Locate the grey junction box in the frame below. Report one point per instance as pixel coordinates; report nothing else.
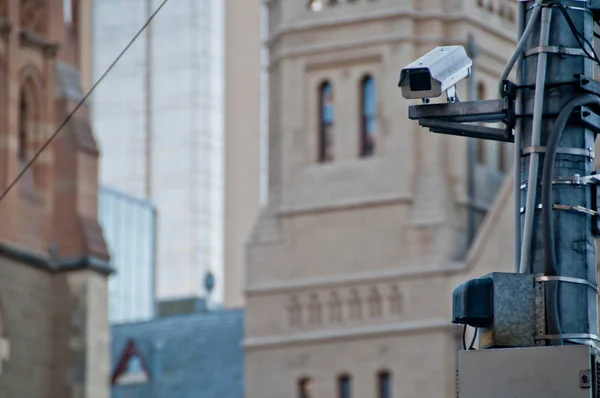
(532, 372)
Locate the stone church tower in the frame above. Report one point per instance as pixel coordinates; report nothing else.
(53, 258)
(352, 264)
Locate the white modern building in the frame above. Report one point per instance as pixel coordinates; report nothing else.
(129, 227)
(159, 120)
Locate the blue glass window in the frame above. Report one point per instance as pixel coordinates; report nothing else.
(304, 388)
(134, 365)
(384, 388)
(344, 386)
(327, 120)
(368, 117)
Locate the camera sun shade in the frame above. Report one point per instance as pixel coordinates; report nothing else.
(435, 72)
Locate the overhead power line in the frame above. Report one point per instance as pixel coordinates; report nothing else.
(80, 103)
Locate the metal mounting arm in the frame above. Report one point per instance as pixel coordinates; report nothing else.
(453, 118)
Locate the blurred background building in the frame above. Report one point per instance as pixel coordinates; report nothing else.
(354, 258)
(178, 137)
(129, 226)
(159, 121)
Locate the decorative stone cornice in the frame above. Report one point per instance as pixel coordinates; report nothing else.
(398, 273)
(428, 325)
(383, 15)
(61, 265)
(30, 39)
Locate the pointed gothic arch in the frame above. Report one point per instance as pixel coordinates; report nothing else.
(30, 116)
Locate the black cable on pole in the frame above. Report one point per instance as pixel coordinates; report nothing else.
(80, 103)
(578, 35)
(471, 347)
(550, 263)
(551, 267)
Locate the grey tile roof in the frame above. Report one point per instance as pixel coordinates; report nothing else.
(189, 356)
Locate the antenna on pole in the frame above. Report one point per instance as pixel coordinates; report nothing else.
(209, 286)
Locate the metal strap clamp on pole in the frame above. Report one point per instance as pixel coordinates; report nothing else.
(565, 336)
(589, 152)
(556, 50)
(576, 179)
(577, 209)
(566, 279)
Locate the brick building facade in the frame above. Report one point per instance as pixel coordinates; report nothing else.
(54, 331)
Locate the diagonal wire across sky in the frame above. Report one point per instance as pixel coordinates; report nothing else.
(80, 103)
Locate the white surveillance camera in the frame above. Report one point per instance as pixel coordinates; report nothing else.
(436, 72)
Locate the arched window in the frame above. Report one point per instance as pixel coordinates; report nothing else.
(305, 386)
(24, 127)
(326, 122)
(502, 161)
(315, 5)
(344, 386)
(368, 116)
(384, 388)
(28, 130)
(68, 12)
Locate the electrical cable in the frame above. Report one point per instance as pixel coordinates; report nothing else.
(464, 337)
(471, 347)
(538, 106)
(521, 44)
(550, 263)
(578, 35)
(80, 103)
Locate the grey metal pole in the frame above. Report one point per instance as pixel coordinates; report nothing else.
(516, 157)
(471, 148)
(576, 305)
